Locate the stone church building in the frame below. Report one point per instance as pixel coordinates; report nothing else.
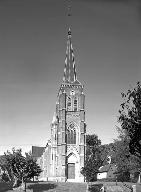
(64, 154)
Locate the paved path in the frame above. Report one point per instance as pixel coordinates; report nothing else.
(114, 189)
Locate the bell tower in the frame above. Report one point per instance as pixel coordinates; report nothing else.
(68, 127)
(64, 154)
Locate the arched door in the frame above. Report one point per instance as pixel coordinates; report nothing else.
(71, 166)
(71, 170)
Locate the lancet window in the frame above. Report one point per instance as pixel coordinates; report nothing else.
(75, 106)
(69, 104)
(71, 134)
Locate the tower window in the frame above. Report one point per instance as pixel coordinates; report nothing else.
(71, 134)
(75, 104)
(69, 104)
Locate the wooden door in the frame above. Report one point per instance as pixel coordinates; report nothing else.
(71, 170)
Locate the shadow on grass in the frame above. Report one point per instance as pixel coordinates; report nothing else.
(41, 187)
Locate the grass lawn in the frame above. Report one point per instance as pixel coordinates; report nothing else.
(111, 186)
(68, 187)
(54, 187)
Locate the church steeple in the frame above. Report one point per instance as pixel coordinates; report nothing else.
(69, 70)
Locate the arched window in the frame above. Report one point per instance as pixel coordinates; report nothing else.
(71, 134)
(75, 104)
(74, 141)
(69, 104)
(71, 140)
(68, 136)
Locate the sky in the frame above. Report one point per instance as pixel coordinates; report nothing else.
(106, 37)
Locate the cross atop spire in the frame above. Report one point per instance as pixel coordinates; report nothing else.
(69, 70)
(69, 8)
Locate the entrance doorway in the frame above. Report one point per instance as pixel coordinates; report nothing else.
(71, 170)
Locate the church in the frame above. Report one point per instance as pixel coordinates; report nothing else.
(64, 155)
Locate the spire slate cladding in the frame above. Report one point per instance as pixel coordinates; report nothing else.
(70, 70)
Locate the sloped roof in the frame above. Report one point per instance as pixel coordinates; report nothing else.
(106, 168)
(37, 151)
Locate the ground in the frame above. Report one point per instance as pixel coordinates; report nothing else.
(71, 187)
(54, 187)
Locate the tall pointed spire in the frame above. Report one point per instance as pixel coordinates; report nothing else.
(69, 70)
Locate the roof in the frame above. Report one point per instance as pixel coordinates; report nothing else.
(37, 151)
(106, 168)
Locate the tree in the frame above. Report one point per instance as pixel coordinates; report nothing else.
(130, 118)
(122, 160)
(19, 168)
(107, 151)
(126, 162)
(94, 157)
(6, 169)
(32, 168)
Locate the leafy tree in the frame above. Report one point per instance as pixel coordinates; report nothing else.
(107, 153)
(19, 168)
(7, 174)
(122, 160)
(94, 157)
(130, 118)
(126, 162)
(32, 168)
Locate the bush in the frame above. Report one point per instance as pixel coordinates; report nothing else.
(95, 188)
(107, 180)
(123, 176)
(134, 177)
(4, 177)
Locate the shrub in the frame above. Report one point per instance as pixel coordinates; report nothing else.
(4, 177)
(123, 176)
(95, 188)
